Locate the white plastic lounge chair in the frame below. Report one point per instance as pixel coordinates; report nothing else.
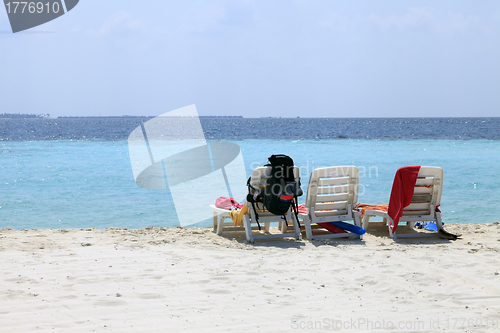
(332, 195)
(423, 207)
(258, 179)
(220, 215)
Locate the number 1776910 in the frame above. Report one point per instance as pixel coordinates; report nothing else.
(32, 7)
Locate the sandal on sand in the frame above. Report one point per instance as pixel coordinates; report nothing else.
(446, 235)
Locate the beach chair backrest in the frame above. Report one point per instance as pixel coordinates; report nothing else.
(427, 192)
(258, 179)
(333, 190)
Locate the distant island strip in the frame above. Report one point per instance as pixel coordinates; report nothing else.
(45, 116)
(23, 115)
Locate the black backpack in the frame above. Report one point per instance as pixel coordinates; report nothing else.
(281, 190)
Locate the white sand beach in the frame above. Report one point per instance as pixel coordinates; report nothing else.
(176, 279)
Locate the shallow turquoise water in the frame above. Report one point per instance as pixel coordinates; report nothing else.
(80, 184)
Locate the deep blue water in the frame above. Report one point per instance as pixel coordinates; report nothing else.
(263, 128)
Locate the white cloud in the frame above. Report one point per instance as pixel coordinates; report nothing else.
(457, 23)
(197, 17)
(119, 22)
(427, 18)
(202, 16)
(414, 17)
(333, 21)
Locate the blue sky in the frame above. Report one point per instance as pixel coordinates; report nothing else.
(258, 58)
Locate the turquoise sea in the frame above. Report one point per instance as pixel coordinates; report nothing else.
(83, 183)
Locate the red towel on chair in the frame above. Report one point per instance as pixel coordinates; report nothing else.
(402, 192)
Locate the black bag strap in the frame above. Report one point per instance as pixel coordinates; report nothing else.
(284, 218)
(252, 201)
(295, 208)
(256, 214)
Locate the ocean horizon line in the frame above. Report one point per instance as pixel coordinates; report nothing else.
(297, 117)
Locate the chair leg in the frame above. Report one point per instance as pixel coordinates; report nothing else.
(366, 220)
(248, 228)
(357, 222)
(389, 225)
(215, 215)
(220, 226)
(296, 228)
(439, 221)
(267, 225)
(307, 226)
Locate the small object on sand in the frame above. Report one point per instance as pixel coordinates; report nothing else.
(431, 226)
(446, 235)
(349, 227)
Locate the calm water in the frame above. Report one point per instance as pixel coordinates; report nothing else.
(76, 173)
